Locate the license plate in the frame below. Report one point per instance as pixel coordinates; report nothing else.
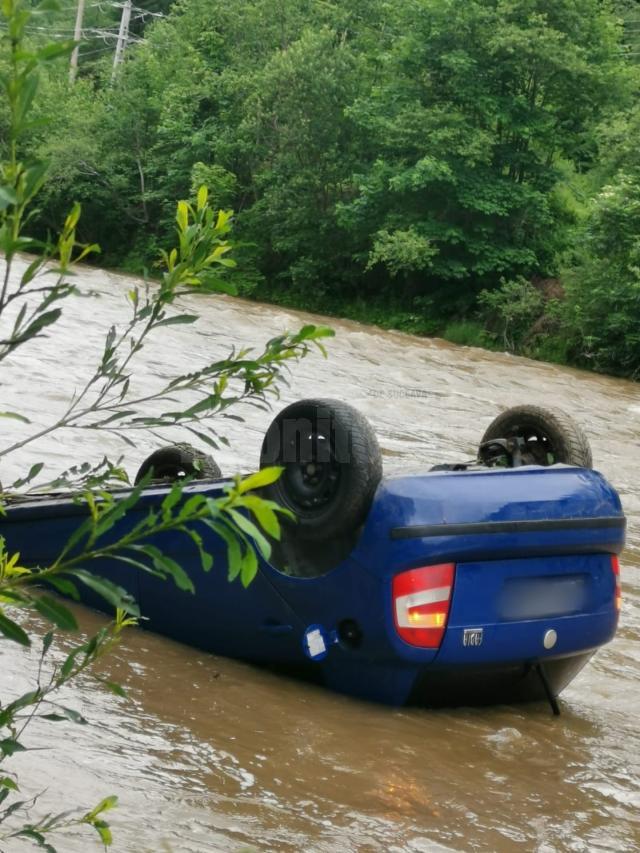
(472, 637)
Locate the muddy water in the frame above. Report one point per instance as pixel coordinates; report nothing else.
(212, 755)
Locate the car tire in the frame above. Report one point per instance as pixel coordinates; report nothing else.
(332, 466)
(551, 437)
(178, 461)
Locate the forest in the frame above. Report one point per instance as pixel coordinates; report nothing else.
(461, 168)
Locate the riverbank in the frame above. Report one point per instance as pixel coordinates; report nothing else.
(531, 319)
(534, 331)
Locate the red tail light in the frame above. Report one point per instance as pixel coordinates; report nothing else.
(421, 599)
(615, 566)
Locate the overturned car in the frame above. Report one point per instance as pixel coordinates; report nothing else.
(486, 581)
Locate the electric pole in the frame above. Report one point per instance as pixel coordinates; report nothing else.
(123, 37)
(77, 35)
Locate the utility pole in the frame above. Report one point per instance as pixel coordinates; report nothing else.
(123, 37)
(77, 35)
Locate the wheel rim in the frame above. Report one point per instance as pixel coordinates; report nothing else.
(172, 472)
(311, 484)
(537, 444)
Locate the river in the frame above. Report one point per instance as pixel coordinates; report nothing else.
(209, 754)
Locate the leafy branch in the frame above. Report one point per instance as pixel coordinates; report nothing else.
(106, 401)
(234, 513)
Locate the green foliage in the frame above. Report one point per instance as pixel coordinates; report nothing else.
(420, 137)
(466, 333)
(467, 115)
(510, 311)
(402, 251)
(553, 347)
(603, 284)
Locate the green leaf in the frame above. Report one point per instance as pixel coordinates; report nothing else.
(206, 559)
(264, 477)
(191, 506)
(7, 782)
(8, 713)
(167, 566)
(182, 215)
(31, 271)
(46, 642)
(252, 531)
(69, 662)
(114, 687)
(117, 511)
(180, 319)
(115, 595)
(234, 554)
(171, 500)
(55, 612)
(65, 587)
(15, 417)
(9, 746)
(203, 195)
(249, 567)
(102, 828)
(40, 323)
(38, 837)
(265, 516)
(33, 472)
(12, 631)
(103, 806)
(7, 196)
(65, 714)
(14, 808)
(34, 177)
(180, 577)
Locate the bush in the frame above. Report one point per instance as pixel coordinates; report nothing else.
(467, 333)
(510, 311)
(603, 284)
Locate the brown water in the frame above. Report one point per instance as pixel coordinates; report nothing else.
(212, 755)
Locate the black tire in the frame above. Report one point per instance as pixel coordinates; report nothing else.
(332, 466)
(550, 436)
(177, 462)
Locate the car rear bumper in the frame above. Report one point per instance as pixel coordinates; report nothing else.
(496, 683)
(437, 686)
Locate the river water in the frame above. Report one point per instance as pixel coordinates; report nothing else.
(208, 754)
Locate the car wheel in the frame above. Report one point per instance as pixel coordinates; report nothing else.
(546, 437)
(177, 462)
(332, 466)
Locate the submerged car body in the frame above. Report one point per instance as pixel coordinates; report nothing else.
(460, 586)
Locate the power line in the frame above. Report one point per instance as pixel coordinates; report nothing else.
(83, 54)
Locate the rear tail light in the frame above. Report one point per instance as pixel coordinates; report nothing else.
(615, 566)
(421, 599)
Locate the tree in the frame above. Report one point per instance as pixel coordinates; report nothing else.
(602, 314)
(475, 103)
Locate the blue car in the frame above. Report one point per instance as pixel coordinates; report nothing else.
(488, 581)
